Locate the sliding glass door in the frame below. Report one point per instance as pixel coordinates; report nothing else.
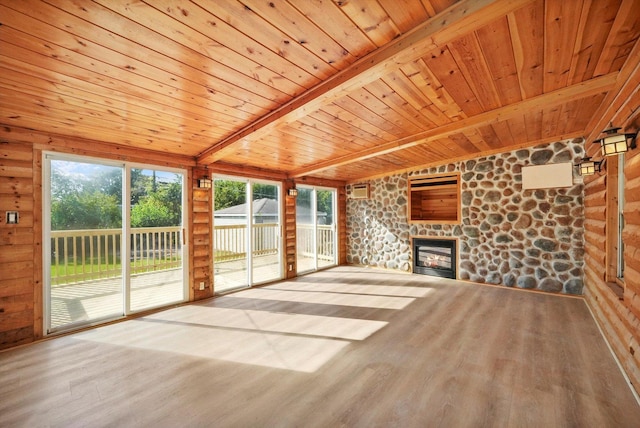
(156, 239)
(247, 233)
(85, 243)
(104, 258)
(316, 243)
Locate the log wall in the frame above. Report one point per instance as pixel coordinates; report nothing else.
(616, 308)
(201, 245)
(17, 250)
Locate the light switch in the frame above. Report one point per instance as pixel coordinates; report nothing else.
(12, 217)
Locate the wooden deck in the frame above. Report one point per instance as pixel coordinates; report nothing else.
(341, 347)
(99, 299)
(231, 275)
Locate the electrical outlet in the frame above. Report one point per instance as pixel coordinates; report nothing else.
(12, 217)
(202, 285)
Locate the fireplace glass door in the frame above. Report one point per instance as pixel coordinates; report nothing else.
(435, 257)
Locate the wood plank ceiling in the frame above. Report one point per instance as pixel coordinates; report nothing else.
(341, 89)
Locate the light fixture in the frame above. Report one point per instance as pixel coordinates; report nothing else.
(293, 192)
(589, 167)
(204, 183)
(614, 142)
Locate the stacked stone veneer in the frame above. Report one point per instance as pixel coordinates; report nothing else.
(530, 239)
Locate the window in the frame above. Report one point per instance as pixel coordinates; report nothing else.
(615, 224)
(620, 214)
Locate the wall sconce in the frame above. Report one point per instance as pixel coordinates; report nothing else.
(589, 167)
(614, 142)
(293, 192)
(204, 183)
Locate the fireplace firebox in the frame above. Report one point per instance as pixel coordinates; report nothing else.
(435, 257)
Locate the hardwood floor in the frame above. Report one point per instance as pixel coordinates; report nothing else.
(343, 347)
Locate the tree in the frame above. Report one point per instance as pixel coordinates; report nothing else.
(229, 193)
(86, 210)
(151, 212)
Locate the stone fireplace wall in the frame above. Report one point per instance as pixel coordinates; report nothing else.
(530, 239)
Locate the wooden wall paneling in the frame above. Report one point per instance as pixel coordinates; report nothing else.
(337, 25)
(169, 74)
(444, 67)
(111, 104)
(202, 249)
(526, 26)
(373, 118)
(38, 270)
(84, 147)
(157, 49)
(518, 129)
(191, 84)
(596, 21)
(496, 43)
(77, 116)
(293, 77)
(467, 52)
(404, 85)
(350, 124)
(621, 39)
(17, 249)
(401, 106)
(373, 19)
(290, 233)
(301, 30)
(561, 28)
(406, 15)
(366, 98)
(248, 74)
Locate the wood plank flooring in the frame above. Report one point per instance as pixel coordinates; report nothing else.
(349, 347)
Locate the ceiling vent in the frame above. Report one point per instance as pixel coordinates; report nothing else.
(360, 191)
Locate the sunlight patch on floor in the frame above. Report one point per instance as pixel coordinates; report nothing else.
(324, 298)
(273, 322)
(372, 290)
(279, 351)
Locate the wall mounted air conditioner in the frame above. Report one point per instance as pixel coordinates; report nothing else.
(360, 191)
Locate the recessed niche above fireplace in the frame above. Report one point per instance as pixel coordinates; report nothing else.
(435, 199)
(435, 257)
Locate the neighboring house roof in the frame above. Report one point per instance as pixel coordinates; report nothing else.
(262, 207)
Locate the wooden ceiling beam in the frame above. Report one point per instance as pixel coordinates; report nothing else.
(461, 18)
(581, 90)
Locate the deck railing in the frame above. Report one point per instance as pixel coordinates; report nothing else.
(84, 255)
(324, 243)
(229, 241)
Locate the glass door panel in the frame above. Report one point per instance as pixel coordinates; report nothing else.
(315, 228)
(83, 261)
(325, 228)
(230, 235)
(305, 230)
(265, 243)
(155, 239)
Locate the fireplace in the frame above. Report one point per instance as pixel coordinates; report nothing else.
(435, 257)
